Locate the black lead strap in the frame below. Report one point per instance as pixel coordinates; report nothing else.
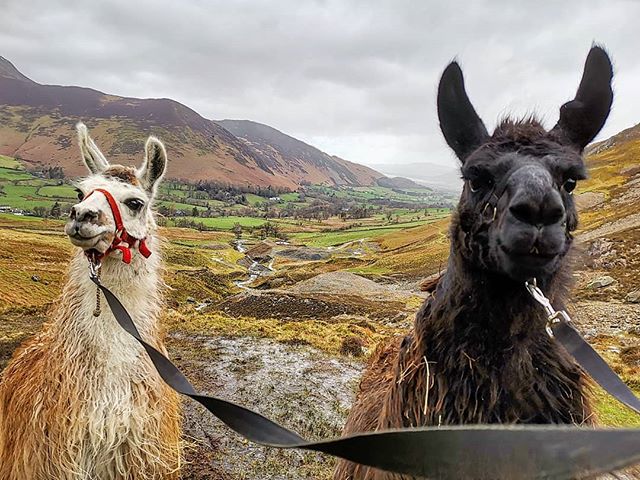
(478, 452)
(560, 327)
(594, 364)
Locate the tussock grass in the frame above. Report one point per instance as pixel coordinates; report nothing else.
(325, 336)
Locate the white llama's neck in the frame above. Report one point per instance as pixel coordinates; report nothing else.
(137, 285)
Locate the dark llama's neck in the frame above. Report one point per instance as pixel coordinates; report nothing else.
(498, 308)
(489, 358)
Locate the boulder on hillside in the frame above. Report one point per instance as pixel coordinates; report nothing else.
(633, 297)
(601, 282)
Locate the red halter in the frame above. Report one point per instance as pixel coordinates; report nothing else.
(120, 235)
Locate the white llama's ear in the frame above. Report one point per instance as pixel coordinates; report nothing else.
(154, 166)
(91, 154)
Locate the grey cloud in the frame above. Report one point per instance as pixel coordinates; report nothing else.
(358, 78)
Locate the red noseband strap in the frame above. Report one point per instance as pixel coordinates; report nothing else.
(120, 235)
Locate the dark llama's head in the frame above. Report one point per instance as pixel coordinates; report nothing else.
(516, 211)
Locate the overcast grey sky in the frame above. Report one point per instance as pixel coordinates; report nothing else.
(355, 78)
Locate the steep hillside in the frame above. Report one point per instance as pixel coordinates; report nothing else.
(399, 182)
(36, 126)
(296, 159)
(610, 217)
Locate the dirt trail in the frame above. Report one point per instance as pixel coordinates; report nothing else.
(631, 221)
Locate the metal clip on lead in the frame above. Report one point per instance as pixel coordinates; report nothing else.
(553, 316)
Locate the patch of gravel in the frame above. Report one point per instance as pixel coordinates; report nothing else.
(594, 317)
(346, 283)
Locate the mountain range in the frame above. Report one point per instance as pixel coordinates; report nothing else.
(37, 126)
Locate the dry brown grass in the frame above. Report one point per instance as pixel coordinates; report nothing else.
(415, 252)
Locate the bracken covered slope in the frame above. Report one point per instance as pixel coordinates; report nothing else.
(289, 156)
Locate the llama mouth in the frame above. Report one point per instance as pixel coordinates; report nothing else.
(77, 236)
(532, 259)
(86, 243)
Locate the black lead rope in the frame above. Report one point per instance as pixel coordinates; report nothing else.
(478, 452)
(594, 364)
(560, 327)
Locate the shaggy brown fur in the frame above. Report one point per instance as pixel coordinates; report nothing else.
(125, 174)
(478, 352)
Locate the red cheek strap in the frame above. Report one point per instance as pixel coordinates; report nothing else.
(121, 235)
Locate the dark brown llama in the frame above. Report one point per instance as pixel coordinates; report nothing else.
(478, 352)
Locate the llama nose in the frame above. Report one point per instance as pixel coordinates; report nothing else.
(540, 214)
(536, 200)
(84, 215)
(548, 212)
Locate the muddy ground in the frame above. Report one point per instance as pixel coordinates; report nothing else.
(302, 388)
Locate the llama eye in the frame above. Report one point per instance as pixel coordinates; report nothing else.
(134, 204)
(80, 194)
(569, 185)
(476, 184)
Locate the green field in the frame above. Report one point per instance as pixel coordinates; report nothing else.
(58, 191)
(315, 215)
(254, 199)
(338, 237)
(13, 174)
(227, 223)
(8, 162)
(290, 197)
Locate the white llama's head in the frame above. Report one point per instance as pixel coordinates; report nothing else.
(91, 224)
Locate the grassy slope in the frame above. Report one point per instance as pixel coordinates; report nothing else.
(609, 172)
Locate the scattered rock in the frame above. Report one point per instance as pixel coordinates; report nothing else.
(603, 255)
(633, 297)
(601, 282)
(588, 200)
(35, 278)
(352, 346)
(635, 330)
(191, 300)
(203, 305)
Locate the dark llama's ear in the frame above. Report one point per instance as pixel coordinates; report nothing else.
(91, 154)
(582, 118)
(154, 165)
(460, 124)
